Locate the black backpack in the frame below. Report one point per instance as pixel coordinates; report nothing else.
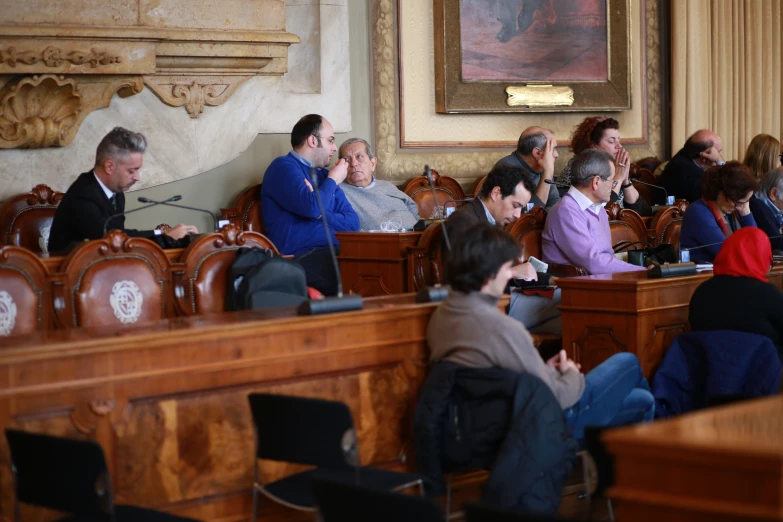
(259, 279)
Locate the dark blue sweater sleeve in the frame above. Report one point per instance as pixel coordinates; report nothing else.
(291, 189)
(700, 228)
(342, 218)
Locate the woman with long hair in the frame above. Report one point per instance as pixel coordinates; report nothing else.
(763, 155)
(598, 132)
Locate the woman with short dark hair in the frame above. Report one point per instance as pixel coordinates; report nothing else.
(722, 210)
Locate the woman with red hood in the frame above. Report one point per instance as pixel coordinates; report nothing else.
(739, 297)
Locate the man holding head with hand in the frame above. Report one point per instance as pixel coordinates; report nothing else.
(292, 216)
(98, 195)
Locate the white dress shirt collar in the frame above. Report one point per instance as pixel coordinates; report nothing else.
(584, 202)
(490, 218)
(106, 190)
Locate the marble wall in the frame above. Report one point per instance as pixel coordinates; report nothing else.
(181, 146)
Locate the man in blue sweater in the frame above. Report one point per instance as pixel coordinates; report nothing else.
(292, 218)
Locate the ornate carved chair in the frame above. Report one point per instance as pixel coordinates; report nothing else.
(477, 186)
(26, 219)
(25, 293)
(646, 192)
(114, 281)
(626, 225)
(649, 163)
(666, 225)
(425, 259)
(446, 188)
(245, 212)
(527, 230)
(200, 287)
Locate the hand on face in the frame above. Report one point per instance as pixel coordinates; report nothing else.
(548, 158)
(712, 155)
(339, 171)
(622, 161)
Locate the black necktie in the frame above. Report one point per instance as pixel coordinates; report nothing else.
(113, 200)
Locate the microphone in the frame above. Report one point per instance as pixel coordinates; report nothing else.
(555, 183)
(428, 173)
(168, 203)
(329, 304)
(106, 223)
(635, 180)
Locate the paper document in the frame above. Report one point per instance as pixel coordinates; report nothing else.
(539, 265)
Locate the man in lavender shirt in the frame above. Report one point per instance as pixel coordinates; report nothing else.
(577, 228)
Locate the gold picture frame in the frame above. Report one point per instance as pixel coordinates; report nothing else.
(455, 95)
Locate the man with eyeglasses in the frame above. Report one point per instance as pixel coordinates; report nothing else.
(577, 228)
(292, 218)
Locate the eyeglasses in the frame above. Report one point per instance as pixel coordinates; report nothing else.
(614, 181)
(330, 139)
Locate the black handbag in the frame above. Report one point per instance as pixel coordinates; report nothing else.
(648, 254)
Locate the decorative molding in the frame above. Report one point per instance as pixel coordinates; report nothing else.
(466, 165)
(47, 110)
(194, 92)
(55, 57)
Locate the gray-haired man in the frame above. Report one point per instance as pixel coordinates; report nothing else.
(97, 195)
(379, 204)
(536, 153)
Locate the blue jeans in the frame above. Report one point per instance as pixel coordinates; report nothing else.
(616, 393)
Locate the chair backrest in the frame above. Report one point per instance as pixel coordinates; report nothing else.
(59, 473)
(476, 189)
(246, 210)
(115, 281)
(527, 230)
(419, 190)
(200, 288)
(339, 502)
(314, 432)
(25, 293)
(427, 259)
(666, 226)
(25, 220)
(625, 225)
(649, 163)
(477, 512)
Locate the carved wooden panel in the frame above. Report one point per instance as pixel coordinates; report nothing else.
(595, 345)
(431, 205)
(374, 264)
(245, 211)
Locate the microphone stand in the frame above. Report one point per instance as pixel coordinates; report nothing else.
(433, 294)
(106, 223)
(428, 173)
(634, 180)
(177, 198)
(329, 304)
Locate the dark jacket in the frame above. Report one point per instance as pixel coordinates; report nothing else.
(754, 307)
(681, 178)
(468, 215)
(494, 419)
(766, 221)
(83, 212)
(699, 228)
(700, 365)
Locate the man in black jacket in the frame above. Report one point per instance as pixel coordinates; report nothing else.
(767, 207)
(98, 195)
(682, 176)
(504, 195)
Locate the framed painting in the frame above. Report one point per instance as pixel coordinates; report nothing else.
(532, 55)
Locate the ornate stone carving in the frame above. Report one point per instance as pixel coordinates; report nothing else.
(55, 57)
(464, 166)
(194, 93)
(47, 110)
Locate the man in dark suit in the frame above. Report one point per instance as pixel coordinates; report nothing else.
(767, 207)
(682, 176)
(97, 195)
(504, 194)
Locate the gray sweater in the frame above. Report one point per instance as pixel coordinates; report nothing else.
(383, 202)
(468, 329)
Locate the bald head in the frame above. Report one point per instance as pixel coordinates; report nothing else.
(533, 138)
(704, 147)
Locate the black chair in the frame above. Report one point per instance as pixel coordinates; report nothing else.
(317, 433)
(69, 475)
(477, 512)
(339, 502)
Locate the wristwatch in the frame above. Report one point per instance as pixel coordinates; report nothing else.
(626, 186)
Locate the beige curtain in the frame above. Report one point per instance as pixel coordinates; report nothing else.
(726, 70)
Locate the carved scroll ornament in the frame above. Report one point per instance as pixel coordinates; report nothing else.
(55, 57)
(194, 92)
(47, 110)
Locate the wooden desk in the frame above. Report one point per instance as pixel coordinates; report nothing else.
(375, 263)
(627, 312)
(718, 465)
(168, 402)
